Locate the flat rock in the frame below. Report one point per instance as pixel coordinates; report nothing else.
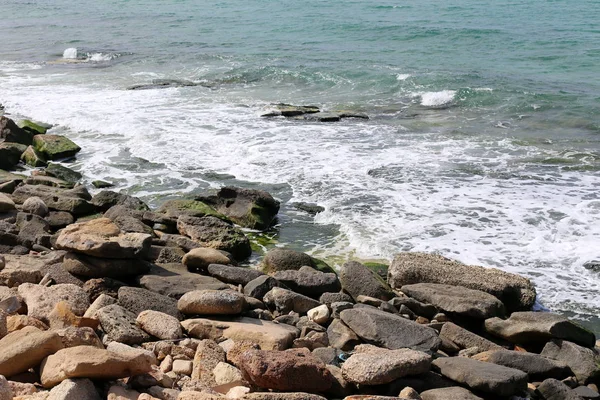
(201, 257)
(177, 207)
(536, 366)
(515, 292)
(220, 302)
(269, 335)
(370, 365)
(80, 389)
(456, 299)
(309, 282)
(174, 281)
(107, 199)
(120, 325)
(28, 268)
(233, 275)
(72, 201)
(285, 301)
(389, 330)
(137, 300)
(584, 362)
(465, 339)
(450, 393)
(528, 326)
(359, 280)
(289, 370)
(26, 348)
(160, 325)
(94, 363)
(552, 389)
(95, 267)
(482, 376)
(41, 300)
(102, 238)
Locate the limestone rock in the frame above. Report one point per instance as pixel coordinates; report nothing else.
(6, 391)
(16, 322)
(107, 199)
(359, 280)
(201, 257)
(285, 301)
(233, 275)
(63, 317)
(41, 300)
(19, 269)
(584, 362)
(160, 325)
(182, 367)
(26, 348)
(137, 300)
(119, 325)
(80, 389)
(536, 366)
(220, 302)
(454, 393)
(309, 282)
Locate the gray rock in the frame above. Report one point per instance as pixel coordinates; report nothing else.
(482, 376)
(54, 147)
(586, 393)
(34, 229)
(160, 325)
(211, 302)
(174, 281)
(536, 327)
(260, 286)
(95, 267)
(465, 339)
(11, 132)
(330, 298)
(516, 292)
(339, 306)
(456, 299)
(59, 219)
(359, 280)
(328, 355)
(199, 259)
(107, 199)
(340, 336)
(80, 389)
(119, 324)
(552, 389)
(451, 393)
(281, 259)
(10, 154)
(73, 201)
(309, 282)
(64, 173)
(285, 301)
(97, 287)
(233, 275)
(536, 366)
(137, 300)
(389, 330)
(584, 362)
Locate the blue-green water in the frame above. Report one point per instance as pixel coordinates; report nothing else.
(483, 143)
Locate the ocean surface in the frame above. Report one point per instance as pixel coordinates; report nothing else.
(483, 142)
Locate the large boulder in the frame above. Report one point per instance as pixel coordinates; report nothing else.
(584, 362)
(94, 267)
(515, 292)
(94, 363)
(74, 201)
(219, 302)
(54, 147)
(359, 280)
(10, 154)
(389, 330)
(201, 257)
(309, 282)
(456, 299)
(291, 370)
(102, 238)
(282, 259)
(285, 301)
(107, 199)
(174, 281)
(213, 232)
(535, 327)
(26, 348)
(250, 208)
(482, 376)
(41, 300)
(11, 132)
(536, 366)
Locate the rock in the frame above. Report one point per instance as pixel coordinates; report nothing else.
(226, 374)
(233, 275)
(61, 172)
(6, 203)
(238, 347)
(465, 339)
(120, 325)
(54, 147)
(95, 267)
(99, 184)
(107, 199)
(220, 302)
(212, 232)
(62, 317)
(527, 327)
(319, 314)
(456, 299)
(73, 201)
(288, 110)
(96, 287)
(183, 367)
(58, 219)
(176, 282)
(285, 301)
(370, 365)
(586, 392)
(137, 300)
(202, 257)
(34, 127)
(26, 348)
(268, 335)
(208, 355)
(250, 208)
(80, 389)
(166, 254)
(94, 363)
(84, 336)
(388, 330)
(515, 292)
(10, 132)
(310, 208)
(193, 208)
(359, 280)
(341, 337)
(6, 391)
(281, 259)
(21, 269)
(160, 325)
(41, 300)
(16, 322)
(260, 286)
(309, 282)
(584, 362)
(552, 389)
(409, 393)
(195, 395)
(10, 154)
(282, 396)
(102, 238)
(330, 298)
(285, 370)
(450, 393)
(537, 367)
(482, 376)
(2, 262)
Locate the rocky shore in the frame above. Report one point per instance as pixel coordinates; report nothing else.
(102, 297)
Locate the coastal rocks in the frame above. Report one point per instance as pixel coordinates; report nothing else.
(280, 259)
(102, 238)
(137, 300)
(54, 147)
(6, 203)
(389, 330)
(94, 267)
(10, 154)
(92, 362)
(260, 286)
(370, 365)
(534, 327)
(11, 132)
(552, 389)
(26, 348)
(535, 365)
(340, 336)
(250, 208)
(268, 335)
(359, 280)
(61, 172)
(74, 201)
(34, 127)
(175, 283)
(36, 206)
(107, 199)
(233, 275)
(515, 292)
(201, 257)
(120, 325)
(41, 300)
(456, 300)
(465, 339)
(160, 325)
(220, 302)
(290, 370)
(193, 208)
(213, 232)
(482, 376)
(81, 389)
(450, 393)
(308, 281)
(33, 158)
(288, 110)
(208, 355)
(285, 301)
(319, 315)
(584, 362)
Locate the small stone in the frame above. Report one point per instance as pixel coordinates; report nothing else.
(226, 374)
(319, 314)
(160, 325)
(220, 302)
(182, 367)
(137, 300)
(409, 393)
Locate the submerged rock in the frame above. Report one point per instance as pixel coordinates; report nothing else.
(288, 110)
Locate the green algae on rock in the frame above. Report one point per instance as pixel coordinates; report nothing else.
(55, 147)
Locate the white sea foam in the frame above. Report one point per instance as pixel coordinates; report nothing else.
(98, 57)
(70, 53)
(436, 99)
(403, 77)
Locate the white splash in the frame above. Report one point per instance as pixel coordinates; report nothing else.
(70, 53)
(436, 99)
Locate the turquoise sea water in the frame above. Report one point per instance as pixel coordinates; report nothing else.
(483, 143)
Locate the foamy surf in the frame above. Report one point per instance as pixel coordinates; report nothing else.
(437, 99)
(74, 55)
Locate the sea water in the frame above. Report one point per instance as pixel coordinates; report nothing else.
(483, 142)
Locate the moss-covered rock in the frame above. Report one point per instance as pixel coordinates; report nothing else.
(102, 184)
(33, 158)
(380, 269)
(33, 127)
(61, 172)
(54, 147)
(193, 208)
(10, 154)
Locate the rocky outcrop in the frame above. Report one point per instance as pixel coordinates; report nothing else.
(584, 362)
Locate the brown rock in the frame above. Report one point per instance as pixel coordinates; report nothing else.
(240, 347)
(160, 325)
(223, 302)
(41, 300)
(208, 355)
(62, 317)
(282, 396)
(16, 322)
(73, 337)
(26, 348)
(202, 257)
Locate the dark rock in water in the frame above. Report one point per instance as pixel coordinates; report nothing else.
(536, 327)
(351, 114)
(482, 376)
(260, 286)
(107, 199)
(288, 110)
(233, 275)
(102, 184)
(323, 117)
(310, 208)
(552, 389)
(584, 362)
(389, 330)
(137, 300)
(285, 301)
(536, 366)
(10, 132)
(119, 324)
(215, 233)
(72, 200)
(465, 339)
(174, 281)
(422, 309)
(33, 158)
(250, 208)
(451, 393)
(309, 282)
(592, 265)
(358, 280)
(94, 267)
(517, 293)
(163, 84)
(61, 172)
(54, 147)
(456, 299)
(39, 179)
(10, 154)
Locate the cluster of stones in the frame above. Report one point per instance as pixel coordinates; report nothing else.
(310, 113)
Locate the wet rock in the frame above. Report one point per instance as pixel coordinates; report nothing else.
(163, 84)
(160, 325)
(73, 201)
(10, 154)
(388, 330)
(192, 208)
(174, 281)
(584, 362)
(137, 300)
(200, 258)
(285, 301)
(516, 292)
(26, 348)
(81, 389)
(536, 366)
(285, 370)
(54, 147)
(233, 275)
(64, 173)
(34, 127)
(552, 389)
(288, 110)
(536, 327)
(107, 199)
(465, 339)
(96, 267)
(11, 132)
(359, 280)
(260, 286)
(119, 324)
(220, 302)
(41, 300)
(33, 158)
(454, 393)
(99, 184)
(482, 376)
(310, 208)
(309, 282)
